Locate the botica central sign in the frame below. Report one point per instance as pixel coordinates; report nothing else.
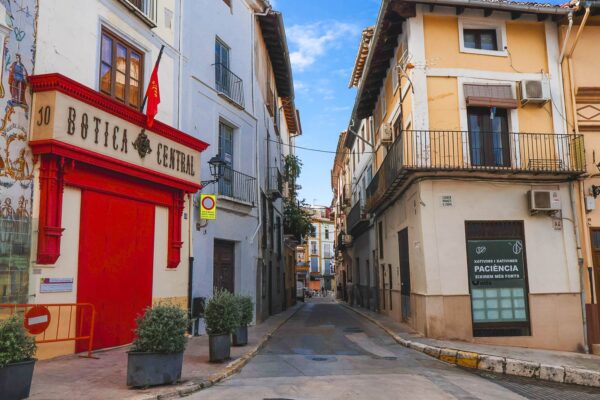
(66, 119)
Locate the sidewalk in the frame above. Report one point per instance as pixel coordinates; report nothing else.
(556, 366)
(72, 377)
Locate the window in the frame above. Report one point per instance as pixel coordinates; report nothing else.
(497, 270)
(326, 233)
(313, 247)
(482, 39)
(222, 75)
(226, 153)
(383, 105)
(380, 237)
(314, 264)
(121, 70)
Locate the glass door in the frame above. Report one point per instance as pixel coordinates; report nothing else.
(488, 137)
(226, 151)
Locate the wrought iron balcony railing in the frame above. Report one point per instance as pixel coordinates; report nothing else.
(275, 182)
(357, 218)
(238, 186)
(496, 152)
(145, 9)
(229, 84)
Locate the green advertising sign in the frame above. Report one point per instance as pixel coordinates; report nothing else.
(495, 263)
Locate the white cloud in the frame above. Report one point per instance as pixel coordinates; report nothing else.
(311, 41)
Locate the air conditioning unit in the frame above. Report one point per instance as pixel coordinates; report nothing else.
(386, 133)
(544, 201)
(537, 92)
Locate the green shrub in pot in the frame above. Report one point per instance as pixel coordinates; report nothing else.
(17, 349)
(246, 313)
(156, 357)
(221, 316)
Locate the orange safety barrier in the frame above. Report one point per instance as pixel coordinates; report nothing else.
(38, 321)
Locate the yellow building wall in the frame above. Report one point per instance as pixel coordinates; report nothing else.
(526, 42)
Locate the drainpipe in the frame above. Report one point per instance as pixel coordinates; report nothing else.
(580, 192)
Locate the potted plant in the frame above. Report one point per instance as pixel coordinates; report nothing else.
(16, 359)
(157, 354)
(221, 318)
(246, 312)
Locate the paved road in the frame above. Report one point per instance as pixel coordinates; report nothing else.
(328, 352)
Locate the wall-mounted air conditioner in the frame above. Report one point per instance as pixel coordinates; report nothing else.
(544, 201)
(386, 133)
(536, 92)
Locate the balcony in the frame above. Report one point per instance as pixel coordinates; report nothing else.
(144, 9)
(275, 187)
(237, 186)
(346, 196)
(475, 154)
(229, 85)
(358, 219)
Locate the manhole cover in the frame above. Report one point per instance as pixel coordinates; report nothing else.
(353, 329)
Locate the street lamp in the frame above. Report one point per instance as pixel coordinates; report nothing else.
(217, 167)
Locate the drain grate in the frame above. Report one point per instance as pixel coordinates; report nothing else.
(353, 329)
(390, 358)
(319, 358)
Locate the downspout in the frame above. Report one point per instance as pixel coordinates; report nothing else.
(580, 192)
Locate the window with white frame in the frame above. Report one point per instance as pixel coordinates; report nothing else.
(383, 106)
(482, 37)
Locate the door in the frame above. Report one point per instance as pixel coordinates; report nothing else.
(383, 286)
(404, 273)
(224, 265)
(488, 136)
(368, 285)
(226, 153)
(593, 309)
(113, 260)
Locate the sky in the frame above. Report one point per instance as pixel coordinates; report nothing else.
(323, 38)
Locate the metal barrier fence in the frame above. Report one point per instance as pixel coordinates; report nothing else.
(39, 320)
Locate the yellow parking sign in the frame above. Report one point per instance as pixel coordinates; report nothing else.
(208, 206)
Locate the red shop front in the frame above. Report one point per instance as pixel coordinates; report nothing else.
(112, 202)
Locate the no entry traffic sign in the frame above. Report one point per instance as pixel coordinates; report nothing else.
(37, 319)
(208, 206)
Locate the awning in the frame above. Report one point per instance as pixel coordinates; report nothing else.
(489, 96)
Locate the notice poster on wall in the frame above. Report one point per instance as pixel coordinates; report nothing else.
(495, 263)
(56, 285)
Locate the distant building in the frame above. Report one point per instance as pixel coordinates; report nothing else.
(319, 250)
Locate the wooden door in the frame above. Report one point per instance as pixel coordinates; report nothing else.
(404, 273)
(224, 265)
(488, 137)
(116, 251)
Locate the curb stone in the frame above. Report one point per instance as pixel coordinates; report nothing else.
(491, 363)
(196, 385)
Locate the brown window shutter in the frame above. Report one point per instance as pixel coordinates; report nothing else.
(489, 96)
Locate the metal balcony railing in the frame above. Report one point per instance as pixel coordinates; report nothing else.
(357, 217)
(146, 9)
(229, 84)
(275, 182)
(497, 152)
(238, 186)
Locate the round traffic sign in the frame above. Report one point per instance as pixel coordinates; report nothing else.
(37, 319)
(208, 203)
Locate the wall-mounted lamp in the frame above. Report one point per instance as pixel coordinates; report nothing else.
(217, 169)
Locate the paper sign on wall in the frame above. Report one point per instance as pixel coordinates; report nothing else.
(208, 206)
(55, 285)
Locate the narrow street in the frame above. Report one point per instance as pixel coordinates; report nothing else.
(326, 351)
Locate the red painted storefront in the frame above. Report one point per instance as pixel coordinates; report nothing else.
(119, 196)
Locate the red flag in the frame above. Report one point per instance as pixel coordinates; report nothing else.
(153, 96)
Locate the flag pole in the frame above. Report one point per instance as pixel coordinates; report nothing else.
(155, 64)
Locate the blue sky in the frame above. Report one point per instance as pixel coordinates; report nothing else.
(323, 37)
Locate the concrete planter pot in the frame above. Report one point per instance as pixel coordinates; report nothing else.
(240, 336)
(15, 380)
(151, 369)
(219, 347)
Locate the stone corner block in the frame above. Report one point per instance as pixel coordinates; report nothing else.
(466, 359)
(552, 373)
(432, 351)
(522, 368)
(583, 377)
(448, 355)
(417, 346)
(491, 363)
